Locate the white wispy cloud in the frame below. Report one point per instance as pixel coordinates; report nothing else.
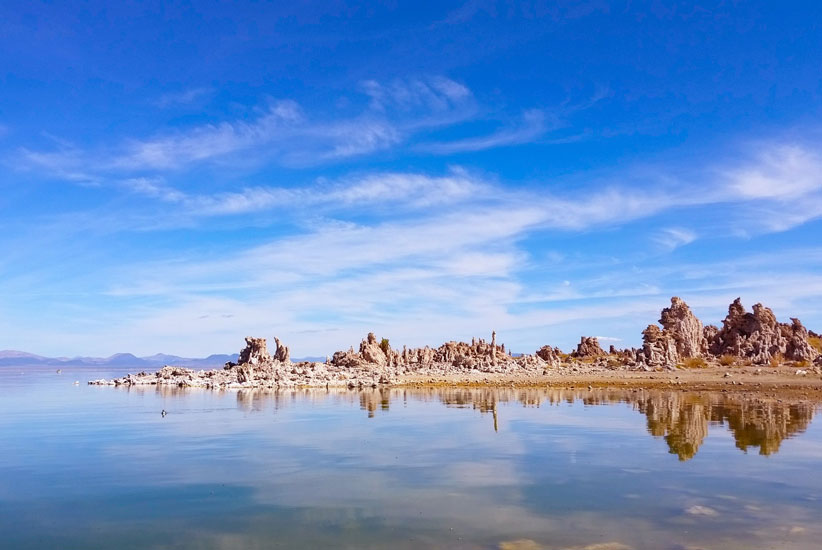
(350, 139)
(614, 205)
(532, 125)
(778, 172)
(68, 163)
(435, 94)
(209, 141)
(154, 188)
(281, 132)
(671, 238)
(780, 186)
(401, 113)
(375, 192)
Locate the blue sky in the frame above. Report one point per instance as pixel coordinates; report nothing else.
(175, 177)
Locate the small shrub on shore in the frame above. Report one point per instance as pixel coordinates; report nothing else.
(776, 360)
(385, 346)
(727, 360)
(801, 364)
(694, 363)
(816, 342)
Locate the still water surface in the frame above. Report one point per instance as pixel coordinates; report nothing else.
(85, 467)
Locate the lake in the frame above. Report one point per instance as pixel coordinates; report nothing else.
(90, 467)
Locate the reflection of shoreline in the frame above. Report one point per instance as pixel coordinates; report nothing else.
(682, 418)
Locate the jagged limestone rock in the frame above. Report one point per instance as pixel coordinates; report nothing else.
(281, 354)
(799, 347)
(680, 337)
(589, 347)
(371, 351)
(708, 336)
(658, 347)
(627, 355)
(684, 328)
(552, 356)
(758, 336)
(255, 352)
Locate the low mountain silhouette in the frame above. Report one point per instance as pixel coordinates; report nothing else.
(22, 358)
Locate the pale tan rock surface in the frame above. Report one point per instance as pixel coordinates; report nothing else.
(658, 347)
(681, 336)
(679, 322)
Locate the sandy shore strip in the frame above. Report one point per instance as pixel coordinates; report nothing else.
(780, 379)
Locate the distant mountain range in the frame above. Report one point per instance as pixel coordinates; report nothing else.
(20, 358)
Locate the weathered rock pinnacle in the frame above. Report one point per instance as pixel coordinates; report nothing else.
(255, 352)
(589, 347)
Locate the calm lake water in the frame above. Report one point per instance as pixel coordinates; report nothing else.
(98, 467)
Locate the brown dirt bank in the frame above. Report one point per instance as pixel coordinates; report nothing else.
(783, 379)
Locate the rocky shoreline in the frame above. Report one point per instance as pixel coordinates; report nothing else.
(752, 344)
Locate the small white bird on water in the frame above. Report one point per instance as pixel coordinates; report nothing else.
(163, 413)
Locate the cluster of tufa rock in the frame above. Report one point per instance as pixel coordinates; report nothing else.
(752, 336)
(755, 336)
(374, 363)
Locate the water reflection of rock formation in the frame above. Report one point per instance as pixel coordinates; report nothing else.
(766, 426)
(371, 400)
(681, 418)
